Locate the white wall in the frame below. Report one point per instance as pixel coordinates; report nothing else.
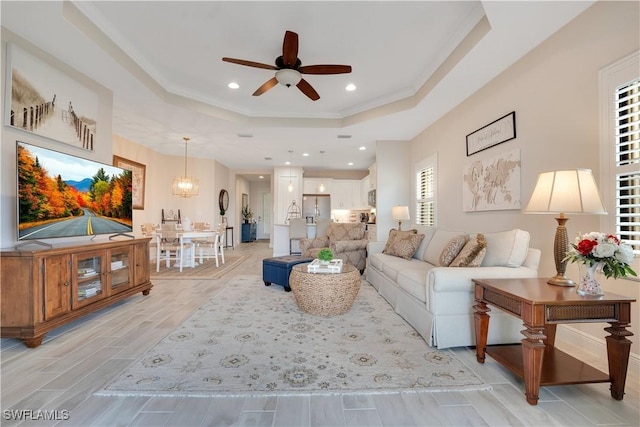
(160, 171)
(554, 91)
(393, 187)
(8, 179)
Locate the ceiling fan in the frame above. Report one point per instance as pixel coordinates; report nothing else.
(289, 68)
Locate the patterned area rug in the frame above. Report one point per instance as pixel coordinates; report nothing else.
(206, 270)
(252, 338)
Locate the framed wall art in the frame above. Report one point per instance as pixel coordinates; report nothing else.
(496, 132)
(492, 184)
(138, 171)
(42, 99)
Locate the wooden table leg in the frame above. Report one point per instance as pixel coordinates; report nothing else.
(532, 356)
(618, 348)
(481, 321)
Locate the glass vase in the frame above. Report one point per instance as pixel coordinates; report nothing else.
(590, 278)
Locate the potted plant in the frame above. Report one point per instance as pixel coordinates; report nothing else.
(325, 255)
(246, 214)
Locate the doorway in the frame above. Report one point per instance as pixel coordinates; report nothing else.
(264, 213)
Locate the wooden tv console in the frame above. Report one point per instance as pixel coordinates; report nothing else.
(44, 288)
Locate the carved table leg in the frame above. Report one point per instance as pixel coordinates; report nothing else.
(532, 355)
(481, 320)
(618, 348)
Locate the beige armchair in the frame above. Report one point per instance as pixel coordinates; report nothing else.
(346, 240)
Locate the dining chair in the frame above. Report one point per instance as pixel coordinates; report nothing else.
(168, 246)
(149, 230)
(208, 248)
(222, 234)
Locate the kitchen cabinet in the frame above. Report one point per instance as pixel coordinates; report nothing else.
(346, 194)
(365, 187)
(312, 185)
(45, 288)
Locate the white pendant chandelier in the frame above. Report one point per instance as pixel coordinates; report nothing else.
(321, 165)
(185, 186)
(290, 186)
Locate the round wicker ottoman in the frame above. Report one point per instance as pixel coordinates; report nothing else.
(325, 294)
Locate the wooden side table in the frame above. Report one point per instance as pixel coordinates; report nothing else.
(541, 307)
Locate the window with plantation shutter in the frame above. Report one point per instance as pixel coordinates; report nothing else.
(627, 162)
(620, 151)
(426, 180)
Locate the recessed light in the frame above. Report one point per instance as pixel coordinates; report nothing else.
(261, 177)
(350, 163)
(305, 154)
(362, 148)
(233, 85)
(350, 87)
(287, 162)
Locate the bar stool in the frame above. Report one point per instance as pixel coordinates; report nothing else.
(297, 231)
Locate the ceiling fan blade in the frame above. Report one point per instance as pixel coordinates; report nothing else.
(308, 90)
(266, 86)
(249, 63)
(290, 48)
(325, 69)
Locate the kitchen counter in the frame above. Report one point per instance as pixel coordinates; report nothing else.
(281, 238)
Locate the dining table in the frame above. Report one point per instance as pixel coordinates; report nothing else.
(187, 241)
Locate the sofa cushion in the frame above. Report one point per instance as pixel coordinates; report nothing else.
(440, 238)
(413, 279)
(506, 248)
(452, 249)
(428, 235)
(349, 245)
(402, 244)
(472, 254)
(392, 265)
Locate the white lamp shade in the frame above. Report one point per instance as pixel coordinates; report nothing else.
(567, 191)
(400, 213)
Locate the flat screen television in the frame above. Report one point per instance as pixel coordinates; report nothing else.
(60, 195)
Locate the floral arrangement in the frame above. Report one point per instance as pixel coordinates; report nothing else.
(325, 254)
(246, 213)
(595, 247)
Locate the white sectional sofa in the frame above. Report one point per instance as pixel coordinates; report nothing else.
(437, 301)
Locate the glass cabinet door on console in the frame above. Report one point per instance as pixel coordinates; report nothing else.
(120, 271)
(88, 284)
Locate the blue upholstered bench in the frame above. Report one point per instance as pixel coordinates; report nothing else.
(277, 269)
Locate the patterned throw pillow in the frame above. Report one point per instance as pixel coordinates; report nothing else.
(402, 244)
(472, 254)
(452, 249)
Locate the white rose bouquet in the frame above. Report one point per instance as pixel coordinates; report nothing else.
(603, 248)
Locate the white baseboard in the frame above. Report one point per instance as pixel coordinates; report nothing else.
(593, 351)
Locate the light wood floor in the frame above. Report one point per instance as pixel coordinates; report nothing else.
(79, 359)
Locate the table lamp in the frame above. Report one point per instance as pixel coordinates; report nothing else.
(400, 213)
(560, 192)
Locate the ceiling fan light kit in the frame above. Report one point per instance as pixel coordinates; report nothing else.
(289, 69)
(288, 77)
